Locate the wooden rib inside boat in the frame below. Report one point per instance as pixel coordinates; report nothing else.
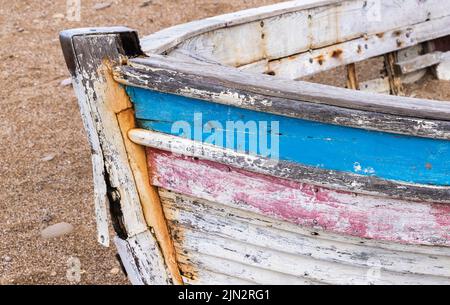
(222, 162)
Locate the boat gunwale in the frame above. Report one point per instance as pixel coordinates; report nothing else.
(302, 100)
(164, 41)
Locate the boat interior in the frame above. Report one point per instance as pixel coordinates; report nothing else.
(369, 45)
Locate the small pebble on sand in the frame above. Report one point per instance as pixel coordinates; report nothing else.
(57, 230)
(48, 158)
(58, 16)
(66, 82)
(102, 5)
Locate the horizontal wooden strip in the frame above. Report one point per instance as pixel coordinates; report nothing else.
(318, 237)
(235, 270)
(324, 146)
(323, 59)
(422, 62)
(207, 277)
(238, 224)
(324, 272)
(289, 98)
(291, 171)
(306, 205)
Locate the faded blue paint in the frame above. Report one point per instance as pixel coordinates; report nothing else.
(370, 153)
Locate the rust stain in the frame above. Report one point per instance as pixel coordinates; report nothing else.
(337, 53)
(380, 35)
(397, 33)
(399, 43)
(320, 59)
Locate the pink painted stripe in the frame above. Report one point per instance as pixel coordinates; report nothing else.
(306, 205)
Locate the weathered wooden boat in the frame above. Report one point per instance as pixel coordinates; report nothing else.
(220, 167)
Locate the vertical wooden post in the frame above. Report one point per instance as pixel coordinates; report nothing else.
(395, 81)
(90, 54)
(352, 77)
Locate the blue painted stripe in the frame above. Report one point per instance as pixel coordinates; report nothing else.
(370, 153)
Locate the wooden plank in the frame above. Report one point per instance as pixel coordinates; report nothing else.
(303, 204)
(206, 277)
(89, 54)
(140, 257)
(352, 77)
(397, 158)
(236, 271)
(148, 194)
(443, 71)
(381, 85)
(321, 271)
(98, 165)
(421, 62)
(291, 171)
(378, 85)
(309, 238)
(395, 81)
(167, 39)
(247, 226)
(303, 64)
(274, 95)
(277, 37)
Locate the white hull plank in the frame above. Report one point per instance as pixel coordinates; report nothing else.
(205, 229)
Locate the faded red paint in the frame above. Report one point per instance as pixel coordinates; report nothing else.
(303, 204)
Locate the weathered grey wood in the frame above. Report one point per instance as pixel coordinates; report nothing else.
(167, 39)
(443, 71)
(236, 271)
(320, 26)
(378, 85)
(88, 53)
(381, 85)
(326, 58)
(293, 171)
(140, 256)
(204, 276)
(235, 222)
(244, 244)
(289, 98)
(422, 62)
(98, 165)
